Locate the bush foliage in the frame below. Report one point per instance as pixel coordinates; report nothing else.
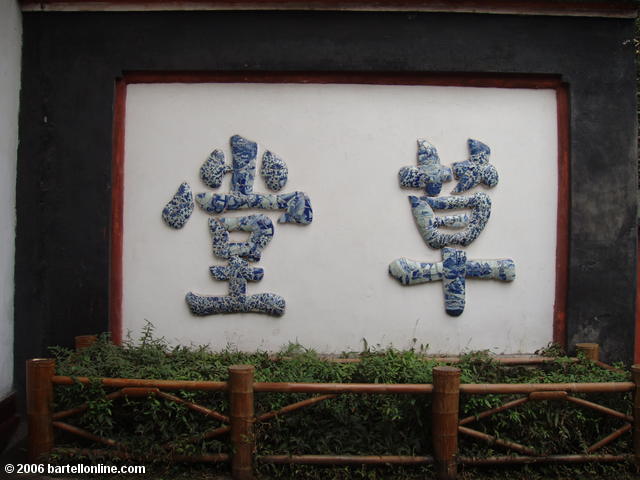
(350, 424)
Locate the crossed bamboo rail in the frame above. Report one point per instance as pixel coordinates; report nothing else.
(446, 424)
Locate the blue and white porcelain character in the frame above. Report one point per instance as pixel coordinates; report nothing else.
(295, 208)
(443, 231)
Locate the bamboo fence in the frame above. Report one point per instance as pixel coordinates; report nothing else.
(446, 424)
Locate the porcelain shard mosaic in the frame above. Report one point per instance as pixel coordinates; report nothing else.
(429, 224)
(454, 268)
(238, 271)
(476, 170)
(214, 169)
(296, 207)
(274, 172)
(429, 174)
(452, 271)
(179, 209)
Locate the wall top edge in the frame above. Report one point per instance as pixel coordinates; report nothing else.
(576, 8)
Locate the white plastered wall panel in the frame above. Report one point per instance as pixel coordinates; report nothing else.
(344, 145)
(10, 46)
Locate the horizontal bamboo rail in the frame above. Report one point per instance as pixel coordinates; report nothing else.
(446, 424)
(537, 396)
(342, 388)
(191, 385)
(345, 459)
(503, 360)
(468, 388)
(548, 459)
(508, 388)
(140, 392)
(508, 360)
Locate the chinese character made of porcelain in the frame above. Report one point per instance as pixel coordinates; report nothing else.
(296, 208)
(454, 268)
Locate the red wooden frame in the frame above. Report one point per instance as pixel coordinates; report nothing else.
(564, 197)
(444, 79)
(117, 212)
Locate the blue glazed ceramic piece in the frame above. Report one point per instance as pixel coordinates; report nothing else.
(214, 169)
(244, 154)
(261, 229)
(429, 174)
(453, 270)
(476, 170)
(214, 203)
(176, 213)
(409, 272)
(238, 271)
(428, 224)
(268, 303)
(296, 205)
(503, 270)
(274, 171)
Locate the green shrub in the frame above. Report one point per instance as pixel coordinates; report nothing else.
(350, 424)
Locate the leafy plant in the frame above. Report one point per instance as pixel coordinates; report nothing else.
(350, 424)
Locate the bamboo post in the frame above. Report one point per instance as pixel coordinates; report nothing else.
(635, 372)
(446, 400)
(39, 406)
(84, 341)
(591, 351)
(242, 419)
